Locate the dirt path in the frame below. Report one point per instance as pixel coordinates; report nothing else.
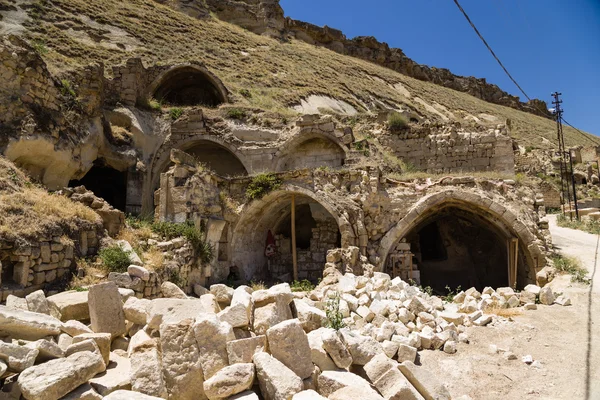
(565, 341)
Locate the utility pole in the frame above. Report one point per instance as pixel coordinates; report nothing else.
(566, 169)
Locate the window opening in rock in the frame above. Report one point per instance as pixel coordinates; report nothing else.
(7, 272)
(107, 183)
(188, 87)
(315, 153)
(216, 158)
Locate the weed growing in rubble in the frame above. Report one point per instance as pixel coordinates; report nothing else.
(114, 258)
(39, 46)
(572, 266)
(257, 286)
(236, 113)
(335, 319)
(302, 286)
(175, 113)
(261, 185)
(67, 88)
(396, 121)
(451, 293)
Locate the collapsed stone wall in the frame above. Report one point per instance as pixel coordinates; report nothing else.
(449, 148)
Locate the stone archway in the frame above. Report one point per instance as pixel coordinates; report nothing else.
(188, 85)
(272, 212)
(311, 150)
(470, 222)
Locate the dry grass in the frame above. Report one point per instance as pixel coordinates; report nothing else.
(154, 259)
(277, 75)
(93, 275)
(120, 134)
(504, 312)
(257, 286)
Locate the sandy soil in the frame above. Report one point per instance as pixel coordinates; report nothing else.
(565, 341)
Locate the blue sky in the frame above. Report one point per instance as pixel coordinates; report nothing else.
(547, 45)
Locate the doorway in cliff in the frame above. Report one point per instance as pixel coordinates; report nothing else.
(189, 86)
(107, 183)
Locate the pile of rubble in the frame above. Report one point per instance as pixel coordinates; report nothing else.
(239, 344)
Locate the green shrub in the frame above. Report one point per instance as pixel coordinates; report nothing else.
(67, 88)
(246, 93)
(170, 230)
(396, 121)
(155, 105)
(114, 258)
(175, 113)
(451, 293)
(39, 46)
(335, 319)
(302, 286)
(236, 113)
(261, 185)
(571, 266)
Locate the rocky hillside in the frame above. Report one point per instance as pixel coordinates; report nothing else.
(260, 72)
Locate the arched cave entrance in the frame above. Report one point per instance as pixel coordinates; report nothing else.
(106, 182)
(314, 153)
(317, 231)
(454, 247)
(218, 158)
(189, 86)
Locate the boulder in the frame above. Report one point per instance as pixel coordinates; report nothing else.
(318, 354)
(354, 393)
(331, 381)
(138, 272)
(546, 296)
(229, 381)
(18, 358)
(85, 345)
(235, 315)
(336, 349)
(16, 303)
(378, 366)
(212, 336)
(281, 292)
(289, 344)
(137, 310)
(106, 309)
(116, 377)
(425, 382)
(134, 259)
(361, 348)
(36, 302)
(247, 395)
(241, 296)
(182, 368)
(308, 395)
(69, 305)
(172, 291)
(406, 353)
(200, 290)
(223, 293)
(243, 350)
(56, 378)
(27, 325)
(172, 311)
(83, 392)
(210, 303)
(47, 350)
(146, 370)
(276, 381)
(271, 314)
(129, 395)
(393, 385)
(102, 341)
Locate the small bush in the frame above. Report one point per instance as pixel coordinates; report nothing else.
(114, 258)
(396, 121)
(236, 113)
(169, 230)
(335, 319)
(39, 46)
(175, 113)
(572, 266)
(154, 104)
(246, 93)
(451, 293)
(67, 89)
(261, 185)
(302, 286)
(528, 149)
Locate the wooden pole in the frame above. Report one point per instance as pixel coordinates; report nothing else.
(516, 263)
(294, 255)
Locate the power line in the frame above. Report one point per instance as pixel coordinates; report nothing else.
(489, 48)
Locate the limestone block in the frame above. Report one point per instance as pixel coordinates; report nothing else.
(308, 395)
(64, 341)
(102, 341)
(134, 259)
(331, 381)
(137, 310)
(200, 290)
(277, 382)
(247, 395)
(406, 353)
(83, 392)
(354, 392)
(361, 348)
(271, 314)
(223, 293)
(394, 386)
(456, 318)
(106, 309)
(182, 369)
(425, 382)
(212, 336)
(336, 349)
(69, 305)
(56, 378)
(74, 328)
(17, 303)
(116, 376)
(129, 395)
(173, 310)
(235, 315)
(243, 350)
(146, 370)
(210, 303)
(289, 344)
(546, 296)
(311, 318)
(139, 272)
(172, 291)
(84, 345)
(36, 302)
(281, 293)
(390, 348)
(27, 325)
(18, 358)
(318, 354)
(242, 296)
(47, 350)
(229, 381)
(378, 366)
